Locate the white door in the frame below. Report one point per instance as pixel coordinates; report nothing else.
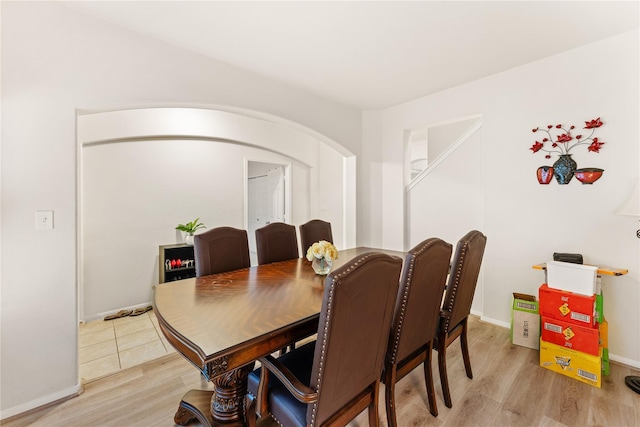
(265, 198)
(275, 194)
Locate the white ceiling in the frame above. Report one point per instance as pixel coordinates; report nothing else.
(373, 54)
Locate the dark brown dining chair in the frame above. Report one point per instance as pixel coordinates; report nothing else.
(456, 306)
(314, 231)
(331, 380)
(276, 242)
(221, 249)
(415, 321)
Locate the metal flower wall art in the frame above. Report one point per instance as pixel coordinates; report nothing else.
(561, 140)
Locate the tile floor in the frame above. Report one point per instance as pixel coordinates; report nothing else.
(109, 346)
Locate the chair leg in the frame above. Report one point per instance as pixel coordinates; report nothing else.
(465, 350)
(373, 405)
(428, 379)
(442, 367)
(389, 392)
(250, 411)
(261, 399)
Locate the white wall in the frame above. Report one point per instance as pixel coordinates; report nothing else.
(55, 61)
(329, 200)
(370, 182)
(526, 222)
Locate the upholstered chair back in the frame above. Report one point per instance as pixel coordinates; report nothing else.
(221, 249)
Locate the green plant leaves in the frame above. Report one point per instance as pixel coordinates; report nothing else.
(191, 226)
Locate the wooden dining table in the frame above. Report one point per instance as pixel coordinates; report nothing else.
(224, 322)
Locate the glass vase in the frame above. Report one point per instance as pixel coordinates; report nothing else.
(321, 266)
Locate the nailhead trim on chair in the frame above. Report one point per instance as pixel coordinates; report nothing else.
(276, 420)
(456, 282)
(403, 308)
(405, 296)
(325, 327)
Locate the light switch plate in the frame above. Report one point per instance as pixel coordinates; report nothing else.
(44, 220)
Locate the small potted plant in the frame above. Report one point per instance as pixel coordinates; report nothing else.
(190, 228)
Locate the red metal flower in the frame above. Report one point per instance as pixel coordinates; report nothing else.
(536, 147)
(565, 142)
(595, 146)
(595, 123)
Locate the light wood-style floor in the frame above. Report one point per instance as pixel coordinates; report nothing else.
(508, 389)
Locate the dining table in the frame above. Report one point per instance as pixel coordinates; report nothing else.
(222, 323)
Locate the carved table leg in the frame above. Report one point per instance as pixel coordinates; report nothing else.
(183, 417)
(227, 402)
(222, 406)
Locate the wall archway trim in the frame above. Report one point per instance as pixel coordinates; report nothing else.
(268, 132)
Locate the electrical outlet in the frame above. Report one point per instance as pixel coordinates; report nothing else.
(44, 220)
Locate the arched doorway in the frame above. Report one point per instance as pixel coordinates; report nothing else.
(159, 147)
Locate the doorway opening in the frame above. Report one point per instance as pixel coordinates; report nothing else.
(450, 157)
(268, 198)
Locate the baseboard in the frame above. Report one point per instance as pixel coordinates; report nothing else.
(496, 322)
(110, 312)
(42, 401)
(624, 361)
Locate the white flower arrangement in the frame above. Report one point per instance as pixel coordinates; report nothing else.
(322, 250)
